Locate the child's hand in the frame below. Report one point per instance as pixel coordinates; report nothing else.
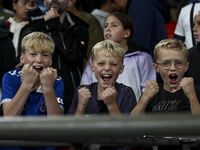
(151, 89)
(187, 84)
(48, 77)
(109, 95)
(84, 95)
(29, 76)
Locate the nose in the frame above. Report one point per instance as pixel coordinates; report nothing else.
(38, 58)
(107, 28)
(107, 67)
(194, 28)
(172, 67)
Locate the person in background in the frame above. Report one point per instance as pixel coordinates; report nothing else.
(5, 13)
(105, 7)
(138, 64)
(15, 25)
(149, 23)
(194, 52)
(95, 31)
(183, 30)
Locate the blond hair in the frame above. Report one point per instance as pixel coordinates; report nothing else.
(37, 41)
(171, 44)
(108, 48)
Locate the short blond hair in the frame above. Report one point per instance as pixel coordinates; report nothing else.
(37, 41)
(108, 48)
(172, 44)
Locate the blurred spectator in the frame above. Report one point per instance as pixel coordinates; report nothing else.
(5, 13)
(106, 6)
(95, 31)
(184, 25)
(149, 23)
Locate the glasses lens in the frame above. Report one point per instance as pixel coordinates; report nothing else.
(165, 64)
(179, 64)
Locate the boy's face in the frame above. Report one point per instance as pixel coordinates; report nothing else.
(38, 60)
(171, 74)
(106, 69)
(196, 28)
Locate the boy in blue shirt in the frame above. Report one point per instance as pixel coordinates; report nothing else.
(105, 96)
(34, 89)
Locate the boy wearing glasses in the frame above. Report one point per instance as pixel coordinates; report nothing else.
(176, 94)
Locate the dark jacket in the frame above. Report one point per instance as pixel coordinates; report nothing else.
(7, 53)
(71, 41)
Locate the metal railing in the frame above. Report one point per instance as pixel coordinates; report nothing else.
(106, 130)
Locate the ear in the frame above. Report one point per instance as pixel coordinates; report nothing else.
(127, 33)
(122, 69)
(92, 66)
(22, 57)
(157, 69)
(187, 66)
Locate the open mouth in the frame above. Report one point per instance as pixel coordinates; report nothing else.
(173, 78)
(106, 77)
(108, 36)
(38, 69)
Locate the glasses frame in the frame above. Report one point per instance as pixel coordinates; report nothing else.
(172, 61)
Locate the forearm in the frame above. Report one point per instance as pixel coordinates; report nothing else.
(194, 104)
(15, 107)
(114, 109)
(52, 106)
(140, 107)
(80, 111)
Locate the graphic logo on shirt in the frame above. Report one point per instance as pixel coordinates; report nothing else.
(166, 106)
(15, 73)
(42, 107)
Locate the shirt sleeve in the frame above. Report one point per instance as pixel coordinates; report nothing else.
(10, 86)
(59, 89)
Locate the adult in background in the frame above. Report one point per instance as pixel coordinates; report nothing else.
(148, 22)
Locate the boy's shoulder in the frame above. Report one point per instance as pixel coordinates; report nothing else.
(14, 73)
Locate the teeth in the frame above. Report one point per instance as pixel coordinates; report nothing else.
(173, 75)
(37, 67)
(106, 75)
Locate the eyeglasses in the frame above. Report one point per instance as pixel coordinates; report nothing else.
(166, 64)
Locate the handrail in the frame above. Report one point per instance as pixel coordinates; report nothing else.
(126, 130)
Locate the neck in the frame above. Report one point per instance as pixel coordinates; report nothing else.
(18, 20)
(124, 46)
(172, 90)
(62, 17)
(75, 11)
